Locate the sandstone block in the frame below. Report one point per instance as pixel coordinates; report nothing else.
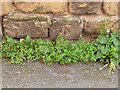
(92, 23)
(19, 29)
(28, 16)
(69, 26)
(42, 7)
(82, 8)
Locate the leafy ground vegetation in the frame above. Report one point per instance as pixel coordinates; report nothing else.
(104, 49)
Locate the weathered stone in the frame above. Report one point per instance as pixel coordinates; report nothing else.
(71, 32)
(92, 23)
(28, 16)
(20, 29)
(82, 8)
(110, 8)
(42, 7)
(69, 26)
(55, 30)
(5, 8)
(92, 26)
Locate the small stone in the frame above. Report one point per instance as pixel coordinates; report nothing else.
(113, 72)
(44, 82)
(90, 86)
(17, 72)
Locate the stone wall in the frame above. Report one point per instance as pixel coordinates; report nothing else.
(48, 19)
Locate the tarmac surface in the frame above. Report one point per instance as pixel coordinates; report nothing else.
(39, 75)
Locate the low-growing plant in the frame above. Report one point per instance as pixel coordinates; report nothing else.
(105, 49)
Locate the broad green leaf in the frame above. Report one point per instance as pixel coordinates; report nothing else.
(115, 55)
(99, 54)
(115, 40)
(104, 50)
(102, 39)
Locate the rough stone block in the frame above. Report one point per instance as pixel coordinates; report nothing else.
(92, 23)
(19, 29)
(28, 16)
(69, 26)
(82, 8)
(42, 7)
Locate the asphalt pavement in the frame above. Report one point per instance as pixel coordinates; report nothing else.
(39, 75)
